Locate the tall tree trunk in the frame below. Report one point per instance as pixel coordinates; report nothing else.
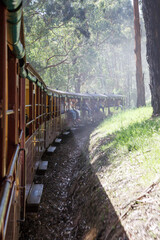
(139, 74)
(151, 13)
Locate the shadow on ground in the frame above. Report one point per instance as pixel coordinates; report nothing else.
(74, 204)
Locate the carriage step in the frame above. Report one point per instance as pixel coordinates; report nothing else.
(66, 133)
(42, 167)
(51, 149)
(34, 197)
(58, 140)
(74, 129)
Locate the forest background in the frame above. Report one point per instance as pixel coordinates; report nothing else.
(85, 45)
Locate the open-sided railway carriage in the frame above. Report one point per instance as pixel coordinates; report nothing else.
(31, 117)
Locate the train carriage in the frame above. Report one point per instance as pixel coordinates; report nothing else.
(31, 117)
(12, 151)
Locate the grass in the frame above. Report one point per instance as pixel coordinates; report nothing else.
(123, 120)
(131, 135)
(125, 155)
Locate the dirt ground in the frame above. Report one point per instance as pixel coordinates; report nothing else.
(136, 199)
(74, 204)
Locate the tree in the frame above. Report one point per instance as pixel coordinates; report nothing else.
(152, 19)
(139, 73)
(82, 45)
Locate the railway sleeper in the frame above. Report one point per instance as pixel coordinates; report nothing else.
(34, 197)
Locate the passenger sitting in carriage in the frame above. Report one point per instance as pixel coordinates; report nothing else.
(73, 112)
(86, 107)
(101, 105)
(70, 111)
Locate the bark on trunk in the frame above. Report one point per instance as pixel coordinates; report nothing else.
(139, 74)
(151, 13)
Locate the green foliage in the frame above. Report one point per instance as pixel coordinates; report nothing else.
(82, 45)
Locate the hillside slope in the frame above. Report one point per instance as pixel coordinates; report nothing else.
(125, 154)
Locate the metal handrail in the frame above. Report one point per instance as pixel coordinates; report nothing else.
(23, 187)
(38, 104)
(28, 105)
(28, 123)
(8, 212)
(40, 116)
(8, 182)
(10, 112)
(13, 162)
(21, 134)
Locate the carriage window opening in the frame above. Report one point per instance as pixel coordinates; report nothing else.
(53, 107)
(57, 106)
(47, 107)
(44, 106)
(28, 109)
(37, 106)
(62, 105)
(50, 106)
(41, 106)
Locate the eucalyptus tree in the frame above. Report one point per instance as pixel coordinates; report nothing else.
(151, 15)
(139, 73)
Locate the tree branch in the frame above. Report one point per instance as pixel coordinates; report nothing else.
(54, 65)
(56, 56)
